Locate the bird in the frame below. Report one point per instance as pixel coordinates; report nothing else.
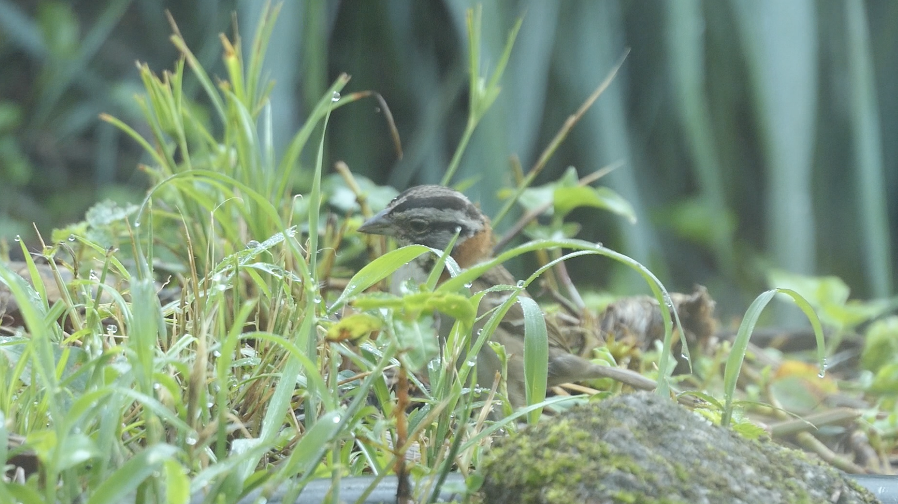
(431, 215)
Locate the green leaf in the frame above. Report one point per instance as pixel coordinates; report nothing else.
(819, 291)
(695, 220)
(24, 494)
(749, 430)
(536, 355)
(553, 232)
(344, 199)
(377, 270)
(740, 343)
(886, 380)
(107, 212)
(540, 196)
(311, 446)
(177, 484)
(120, 484)
(60, 28)
(880, 344)
(76, 448)
(354, 327)
(418, 341)
(737, 353)
(453, 304)
(568, 198)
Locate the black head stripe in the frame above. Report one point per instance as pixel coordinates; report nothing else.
(435, 202)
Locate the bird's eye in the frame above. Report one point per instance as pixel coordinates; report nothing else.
(417, 225)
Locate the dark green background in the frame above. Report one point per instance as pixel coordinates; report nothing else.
(754, 133)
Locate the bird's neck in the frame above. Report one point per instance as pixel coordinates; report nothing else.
(476, 248)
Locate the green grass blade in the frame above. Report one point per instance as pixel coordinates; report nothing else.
(536, 355)
(375, 271)
(120, 485)
(743, 335)
(737, 353)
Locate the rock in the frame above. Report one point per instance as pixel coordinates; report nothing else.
(640, 448)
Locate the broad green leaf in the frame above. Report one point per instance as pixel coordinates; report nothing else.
(695, 220)
(880, 344)
(450, 303)
(885, 382)
(354, 327)
(418, 340)
(344, 199)
(107, 212)
(540, 196)
(820, 291)
(569, 198)
(377, 270)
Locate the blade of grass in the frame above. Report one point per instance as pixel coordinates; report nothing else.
(481, 94)
(743, 335)
(536, 355)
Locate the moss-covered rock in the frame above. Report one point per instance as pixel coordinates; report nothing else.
(641, 448)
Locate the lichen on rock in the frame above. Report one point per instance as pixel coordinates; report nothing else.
(641, 448)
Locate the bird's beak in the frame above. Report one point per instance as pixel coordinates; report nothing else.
(380, 224)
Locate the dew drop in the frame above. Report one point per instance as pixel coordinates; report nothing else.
(471, 363)
(216, 354)
(136, 223)
(520, 284)
(335, 97)
(111, 329)
(18, 238)
(71, 237)
(190, 440)
(157, 386)
(469, 285)
(253, 244)
(684, 357)
(599, 244)
(822, 372)
(93, 276)
(336, 419)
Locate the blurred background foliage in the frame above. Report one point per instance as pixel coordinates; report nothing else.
(754, 134)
